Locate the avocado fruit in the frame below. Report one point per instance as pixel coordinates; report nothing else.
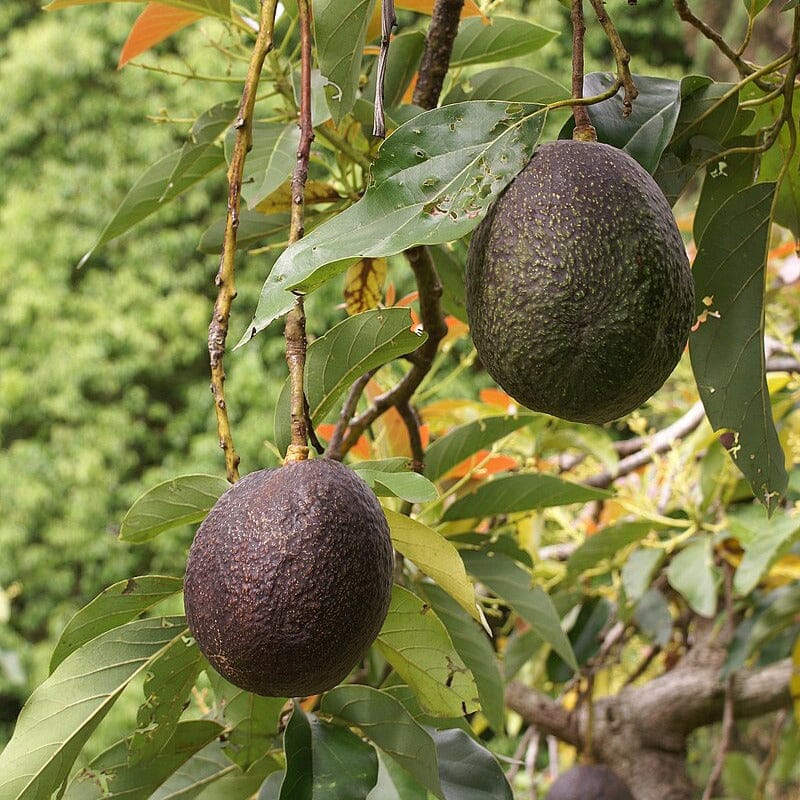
(590, 782)
(578, 288)
(289, 578)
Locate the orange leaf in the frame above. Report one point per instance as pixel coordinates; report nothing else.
(391, 295)
(391, 432)
(360, 449)
(455, 330)
(470, 9)
(156, 23)
(407, 300)
(363, 283)
(493, 465)
(497, 397)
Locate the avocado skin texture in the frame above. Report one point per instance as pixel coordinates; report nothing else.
(579, 293)
(289, 578)
(590, 782)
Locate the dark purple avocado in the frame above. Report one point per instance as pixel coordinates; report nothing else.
(590, 782)
(289, 578)
(579, 293)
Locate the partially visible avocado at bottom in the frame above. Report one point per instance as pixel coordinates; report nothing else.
(579, 293)
(590, 782)
(289, 578)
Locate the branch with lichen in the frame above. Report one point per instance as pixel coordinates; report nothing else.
(295, 331)
(225, 279)
(621, 56)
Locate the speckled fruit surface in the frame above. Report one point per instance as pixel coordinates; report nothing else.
(289, 578)
(590, 782)
(579, 293)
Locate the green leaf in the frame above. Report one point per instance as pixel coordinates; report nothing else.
(473, 646)
(193, 777)
(414, 641)
(113, 775)
(160, 184)
(755, 7)
(325, 761)
(405, 55)
(402, 483)
(178, 501)
(653, 617)
(167, 686)
(436, 557)
(114, 606)
(507, 83)
(434, 180)
(216, 8)
(395, 783)
(606, 544)
(512, 584)
(645, 133)
(255, 723)
(63, 711)
(451, 449)
(585, 636)
(522, 492)
(764, 541)
(639, 570)
(340, 27)
(467, 770)
(449, 261)
(384, 721)
(520, 648)
(727, 352)
(254, 228)
(505, 38)
(691, 573)
(269, 162)
(356, 345)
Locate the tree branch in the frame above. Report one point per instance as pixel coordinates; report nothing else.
(224, 280)
(438, 47)
(584, 130)
(295, 332)
(621, 56)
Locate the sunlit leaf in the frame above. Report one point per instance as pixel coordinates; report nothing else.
(386, 480)
(178, 501)
(460, 443)
(523, 492)
(348, 350)
(727, 351)
(414, 641)
(156, 23)
(363, 284)
(217, 8)
(513, 584)
(112, 775)
(62, 712)
(505, 38)
(606, 544)
(436, 557)
(434, 179)
(473, 646)
(639, 570)
(114, 606)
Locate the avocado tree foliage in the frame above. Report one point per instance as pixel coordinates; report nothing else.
(614, 591)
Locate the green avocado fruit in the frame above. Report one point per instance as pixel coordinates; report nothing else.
(579, 293)
(590, 782)
(289, 578)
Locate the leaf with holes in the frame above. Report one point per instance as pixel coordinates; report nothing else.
(62, 712)
(414, 641)
(178, 501)
(727, 349)
(114, 606)
(433, 182)
(351, 348)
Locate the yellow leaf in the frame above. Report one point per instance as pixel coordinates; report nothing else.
(363, 285)
(437, 558)
(421, 7)
(317, 192)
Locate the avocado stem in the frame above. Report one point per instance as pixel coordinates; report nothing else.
(295, 332)
(584, 130)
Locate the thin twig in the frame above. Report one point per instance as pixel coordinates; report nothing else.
(296, 343)
(584, 130)
(621, 56)
(772, 754)
(224, 280)
(348, 411)
(409, 417)
(388, 21)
